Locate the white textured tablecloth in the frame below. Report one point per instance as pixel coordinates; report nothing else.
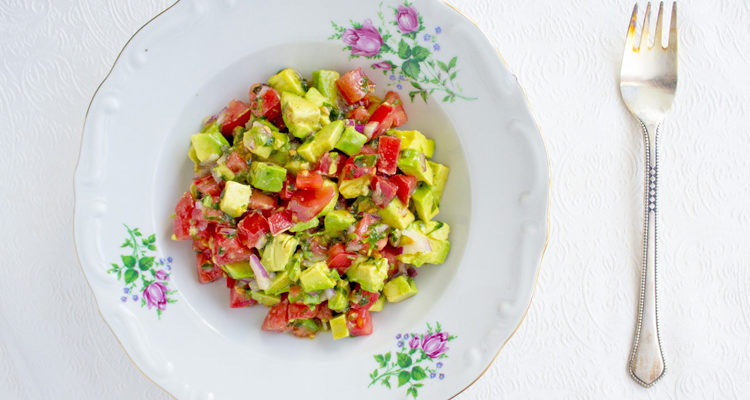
(576, 338)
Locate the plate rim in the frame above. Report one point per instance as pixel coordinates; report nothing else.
(528, 107)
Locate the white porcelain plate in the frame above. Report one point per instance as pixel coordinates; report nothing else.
(188, 63)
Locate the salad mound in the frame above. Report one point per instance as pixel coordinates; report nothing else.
(308, 200)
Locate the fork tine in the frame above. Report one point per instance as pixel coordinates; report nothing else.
(673, 27)
(643, 43)
(629, 39)
(657, 34)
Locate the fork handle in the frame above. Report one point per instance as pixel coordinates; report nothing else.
(647, 360)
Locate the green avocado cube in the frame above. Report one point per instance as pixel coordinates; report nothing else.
(280, 141)
(224, 172)
(414, 140)
(267, 176)
(440, 250)
(340, 299)
(259, 140)
(296, 164)
(412, 162)
(429, 150)
(301, 116)
(316, 277)
(321, 142)
(424, 203)
(280, 284)
(303, 226)
(396, 214)
(355, 187)
(265, 299)
(315, 97)
(439, 178)
(339, 329)
(287, 80)
(378, 304)
(351, 141)
(369, 273)
(325, 82)
(235, 199)
(399, 288)
(192, 155)
(238, 270)
(433, 229)
(337, 221)
(278, 251)
(207, 146)
(294, 267)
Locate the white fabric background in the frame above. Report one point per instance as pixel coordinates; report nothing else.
(576, 339)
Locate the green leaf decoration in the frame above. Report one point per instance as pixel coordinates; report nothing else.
(403, 50)
(380, 360)
(419, 53)
(443, 66)
(453, 75)
(417, 373)
(152, 238)
(374, 374)
(152, 247)
(451, 65)
(145, 263)
(412, 391)
(387, 357)
(403, 378)
(424, 96)
(411, 68)
(387, 382)
(128, 261)
(416, 85)
(404, 360)
(130, 276)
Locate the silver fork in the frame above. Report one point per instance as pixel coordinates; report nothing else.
(648, 80)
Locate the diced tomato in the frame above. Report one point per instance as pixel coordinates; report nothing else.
(359, 114)
(353, 171)
(231, 282)
(406, 184)
(317, 247)
(208, 185)
(323, 312)
(207, 270)
(295, 292)
(359, 322)
(183, 212)
(380, 121)
(277, 319)
(391, 254)
(309, 180)
(280, 221)
(288, 188)
(300, 311)
(372, 102)
(339, 259)
(331, 164)
(236, 163)
(265, 102)
(306, 204)
(238, 300)
(383, 191)
(251, 230)
(360, 298)
(227, 247)
(261, 201)
(363, 226)
(388, 149)
(354, 85)
(236, 114)
(399, 114)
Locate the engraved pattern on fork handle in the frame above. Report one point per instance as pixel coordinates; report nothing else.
(647, 359)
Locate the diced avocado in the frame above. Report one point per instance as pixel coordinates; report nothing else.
(439, 178)
(414, 140)
(412, 162)
(280, 157)
(315, 97)
(301, 116)
(267, 176)
(316, 277)
(433, 229)
(287, 80)
(399, 288)
(334, 156)
(265, 299)
(303, 226)
(309, 324)
(355, 187)
(440, 250)
(351, 141)
(224, 171)
(340, 299)
(308, 298)
(339, 329)
(429, 150)
(192, 155)
(365, 205)
(369, 273)
(278, 251)
(238, 270)
(207, 146)
(378, 304)
(334, 200)
(235, 199)
(280, 284)
(322, 141)
(325, 82)
(396, 214)
(296, 164)
(259, 139)
(280, 141)
(424, 203)
(294, 267)
(338, 220)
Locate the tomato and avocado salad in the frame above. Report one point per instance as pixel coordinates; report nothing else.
(307, 199)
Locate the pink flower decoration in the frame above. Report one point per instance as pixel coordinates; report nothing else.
(407, 19)
(156, 295)
(434, 345)
(382, 65)
(365, 41)
(414, 342)
(161, 275)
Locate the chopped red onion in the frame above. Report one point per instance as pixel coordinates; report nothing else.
(261, 275)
